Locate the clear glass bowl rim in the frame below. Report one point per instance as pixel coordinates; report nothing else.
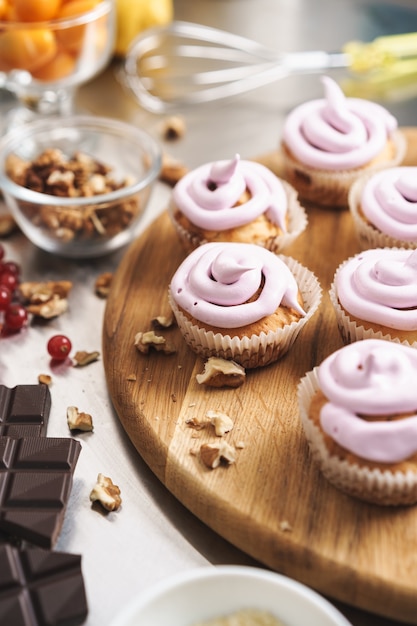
(92, 124)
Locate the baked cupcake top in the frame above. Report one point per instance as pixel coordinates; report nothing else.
(210, 196)
(380, 286)
(389, 201)
(336, 132)
(365, 379)
(230, 285)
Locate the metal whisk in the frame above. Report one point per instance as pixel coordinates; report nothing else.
(185, 63)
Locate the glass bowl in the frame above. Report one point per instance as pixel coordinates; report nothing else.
(90, 180)
(209, 593)
(45, 60)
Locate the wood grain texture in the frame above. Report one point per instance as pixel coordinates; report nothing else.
(272, 503)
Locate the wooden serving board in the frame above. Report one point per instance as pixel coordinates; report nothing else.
(272, 503)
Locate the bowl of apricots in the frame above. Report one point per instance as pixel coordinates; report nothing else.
(50, 47)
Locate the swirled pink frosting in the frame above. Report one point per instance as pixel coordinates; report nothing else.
(380, 285)
(208, 195)
(337, 133)
(215, 282)
(371, 377)
(389, 201)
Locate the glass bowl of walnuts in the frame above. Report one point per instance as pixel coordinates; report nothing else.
(78, 186)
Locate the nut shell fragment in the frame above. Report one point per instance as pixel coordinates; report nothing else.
(221, 373)
(107, 493)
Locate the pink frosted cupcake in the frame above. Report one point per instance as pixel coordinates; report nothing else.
(242, 302)
(374, 295)
(328, 143)
(238, 201)
(358, 410)
(384, 208)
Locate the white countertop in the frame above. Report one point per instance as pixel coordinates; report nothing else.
(153, 536)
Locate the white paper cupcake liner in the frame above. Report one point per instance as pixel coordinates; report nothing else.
(368, 235)
(297, 223)
(330, 188)
(350, 330)
(257, 350)
(377, 485)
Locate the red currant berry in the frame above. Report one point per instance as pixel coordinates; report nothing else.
(5, 297)
(10, 267)
(15, 317)
(9, 280)
(59, 347)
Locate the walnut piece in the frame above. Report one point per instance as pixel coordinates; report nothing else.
(222, 423)
(83, 358)
(173, 127)
(78, 420)
(45, 379)
(46, 299)
(147, 340)
(7, 225)
(163, 321)
(103, 284)
(221, 373)
(105, 492)
(197, 424)
(212, 454)
(171, 171)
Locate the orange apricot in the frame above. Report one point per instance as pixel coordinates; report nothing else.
(62, 65)
(72, 38)
(26, 49)
(36, 10)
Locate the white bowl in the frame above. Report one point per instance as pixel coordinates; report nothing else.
(212, 592)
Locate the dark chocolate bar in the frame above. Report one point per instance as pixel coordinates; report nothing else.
(41, 588)
(36, 475)
(24, 410)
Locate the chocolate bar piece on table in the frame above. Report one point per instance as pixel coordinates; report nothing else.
(41, 588)
(36, 475)
(24, 410)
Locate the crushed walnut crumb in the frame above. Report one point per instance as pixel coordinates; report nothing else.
(144, 341)
(103, 284)
(173, 127)
(220, 372)
(172, 170)
(212, 454)
(45, 379)
(45, 299)
(83, 358)
(107, 493)
(78, 420)
(222, 423)
(7, 225)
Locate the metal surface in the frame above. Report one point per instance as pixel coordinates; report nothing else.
(152, 536)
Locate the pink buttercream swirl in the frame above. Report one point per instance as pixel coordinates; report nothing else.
(208, 195)
(380, 285)
(337, 133)
(216, 281)
(371, 377)
(389, 201)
